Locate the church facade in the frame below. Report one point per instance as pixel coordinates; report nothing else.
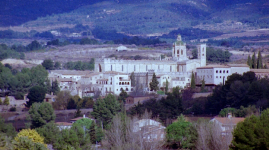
(178, 69)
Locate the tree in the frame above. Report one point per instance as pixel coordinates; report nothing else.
(48, 64)
(194, 53)
(249, 62)
(55, 87)
(6, 101)
(132, 77)
(104, 109)
(57, 65)
(203, 86)
(123, 95)
(49, 131)
(63, 97)
(41, 114)
(181, 134)
(154, 83)
(7, 129)
(84, 122)
(210, 136)
(252, 133)
(259, 61)
(93, 132)
(30, 134)
(254, 62)
(23, 143)
(193, 81)
(36, 94)
(1, 101)
(166, 86)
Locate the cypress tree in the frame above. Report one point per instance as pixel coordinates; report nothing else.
(259, 61)
(203, 85)
(154, 83)
(254, 65)
(249, 62)
(1, 101)
(166, 86)
(192, 81)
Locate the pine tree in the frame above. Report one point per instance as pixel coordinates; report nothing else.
(249, 62)
(6, 101)
(254, 62)
(192, 81)
(259, 61)
(154, 83)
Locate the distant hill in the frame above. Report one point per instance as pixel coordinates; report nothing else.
(130, 17)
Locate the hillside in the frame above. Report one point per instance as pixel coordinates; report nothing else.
(148, 17)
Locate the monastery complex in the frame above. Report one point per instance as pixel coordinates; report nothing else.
(112, 75)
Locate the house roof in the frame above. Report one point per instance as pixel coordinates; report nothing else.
(260, 70)
(71, 72)
(213, 66)
(64, 123)
(238, 65)
(229, 121)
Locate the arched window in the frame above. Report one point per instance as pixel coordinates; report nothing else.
(111, 68)
(128, 83)
(223, 71)
(227, 71)
(177, 51)
(217, 71)
(126, 89)
(220, 71)
(120, 83)
(181, 52)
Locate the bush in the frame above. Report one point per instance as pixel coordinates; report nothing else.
(12, 109)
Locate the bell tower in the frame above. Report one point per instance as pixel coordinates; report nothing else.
(179, 50)
(201, 51)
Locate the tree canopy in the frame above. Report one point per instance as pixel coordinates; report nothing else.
(104, 109)
(36, 95)
(41, 114)
(154, 83)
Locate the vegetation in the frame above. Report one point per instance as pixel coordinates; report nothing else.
(165, 109)
(105, 108)
(252, 133)
(218, 55)
(80, 65)
(154, 83)
(242, 112)
(256, 64)
(181, 134)
(17, 84)
(31, 134)
(36, 95)
(193, 85)
(41, 114)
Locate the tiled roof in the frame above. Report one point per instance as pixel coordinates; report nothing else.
(238, 65)
(260, 70)
(213, 66)
(71, 72)
(229, 121)
(64, 123)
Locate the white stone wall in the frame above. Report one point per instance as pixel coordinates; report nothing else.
(239, 70)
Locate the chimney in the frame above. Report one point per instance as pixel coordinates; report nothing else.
(83, 115)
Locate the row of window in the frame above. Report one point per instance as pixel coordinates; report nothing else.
(220, 76)
(222, 71)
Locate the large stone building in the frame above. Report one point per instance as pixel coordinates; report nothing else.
(178, 69)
